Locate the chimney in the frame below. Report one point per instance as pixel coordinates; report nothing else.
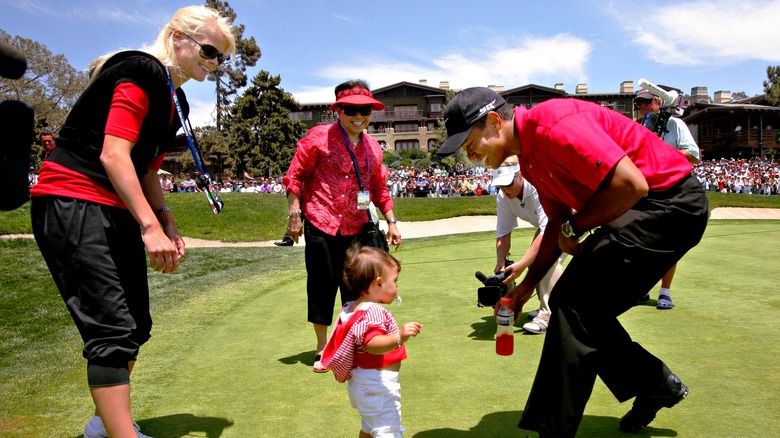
(423, 81)
(627, 87)
(582, 89)
(699, 95)
(723, 96)
(444, 85)
(559, 86)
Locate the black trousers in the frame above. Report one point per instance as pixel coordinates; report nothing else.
(621, 262)
(96, 256)
(324, 255)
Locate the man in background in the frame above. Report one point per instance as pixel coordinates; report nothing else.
(678, 136)
(517, 199)
(46, 138)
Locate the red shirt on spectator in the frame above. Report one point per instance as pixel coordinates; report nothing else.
(323, 177)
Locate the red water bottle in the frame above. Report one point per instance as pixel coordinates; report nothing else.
(505, 320)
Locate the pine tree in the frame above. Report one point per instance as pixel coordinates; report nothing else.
(230, 77)
(772, 85)
(262, 136)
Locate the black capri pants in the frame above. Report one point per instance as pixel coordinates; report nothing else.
(96, 255)
(325, 256)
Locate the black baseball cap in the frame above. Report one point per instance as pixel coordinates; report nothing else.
(464, 109)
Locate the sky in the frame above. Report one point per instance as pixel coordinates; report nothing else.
(314, 45)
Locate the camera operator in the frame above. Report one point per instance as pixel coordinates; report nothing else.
(678, 136)
(517, 198)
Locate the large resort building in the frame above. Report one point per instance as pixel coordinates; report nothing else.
(723, 128)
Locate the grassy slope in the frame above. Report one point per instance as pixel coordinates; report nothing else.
(258, 217)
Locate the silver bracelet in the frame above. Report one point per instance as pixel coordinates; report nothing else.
(397, 339)
(296, 212)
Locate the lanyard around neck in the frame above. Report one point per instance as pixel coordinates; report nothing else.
(184, 125)
(352, 155)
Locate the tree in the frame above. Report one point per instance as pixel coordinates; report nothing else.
(214, 146)
(51, 85)
(772, 85)
(262, 135)
(231, 77)
(441, 135)
(738, 95)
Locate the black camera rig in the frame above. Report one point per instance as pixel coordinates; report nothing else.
(672, 104)
(494, 287)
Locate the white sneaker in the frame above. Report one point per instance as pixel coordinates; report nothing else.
(539, 324)
(96, 429)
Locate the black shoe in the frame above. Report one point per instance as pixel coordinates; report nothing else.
(668, 394)
(286, 241)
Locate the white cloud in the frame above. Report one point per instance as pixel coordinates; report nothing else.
(507, 62)
(202, 112)
(706, 32)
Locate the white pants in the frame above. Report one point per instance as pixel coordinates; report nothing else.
(376, 394)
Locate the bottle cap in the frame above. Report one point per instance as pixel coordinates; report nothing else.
(505, 301)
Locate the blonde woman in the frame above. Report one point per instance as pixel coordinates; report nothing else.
(98, 208)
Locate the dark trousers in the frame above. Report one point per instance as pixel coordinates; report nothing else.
(324, 255)
(621, 262)
(96, 257)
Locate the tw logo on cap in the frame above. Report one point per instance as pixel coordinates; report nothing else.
(488, 107)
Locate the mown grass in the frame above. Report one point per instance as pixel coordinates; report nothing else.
(231, 352)
(251, 217)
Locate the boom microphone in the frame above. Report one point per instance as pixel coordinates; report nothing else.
(13, 64)
(480, 276)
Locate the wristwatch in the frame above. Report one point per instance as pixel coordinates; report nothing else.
(567, 229)
(392, 221)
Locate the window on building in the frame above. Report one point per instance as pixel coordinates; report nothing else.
(435, 107)
(301, 115)
(407, 145)
(405, 110)
(406, 127)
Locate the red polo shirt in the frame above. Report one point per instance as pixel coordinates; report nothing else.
(569, 146)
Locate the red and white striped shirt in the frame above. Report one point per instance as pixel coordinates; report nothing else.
(346, 348)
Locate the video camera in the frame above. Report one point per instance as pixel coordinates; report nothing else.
(672, 105)
(494, 287)
(16, 123)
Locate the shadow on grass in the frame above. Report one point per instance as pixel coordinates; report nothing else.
(503, 424)
(485, 330)
(183, 425)
(306, 358)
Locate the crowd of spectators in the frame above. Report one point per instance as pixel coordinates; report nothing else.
(751, 176)
(438, 182)
(726, 175)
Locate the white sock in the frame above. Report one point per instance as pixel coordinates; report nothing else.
(665, 291)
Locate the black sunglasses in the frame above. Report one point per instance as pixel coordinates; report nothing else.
(351, 110)
(207, 51)
(639, 101)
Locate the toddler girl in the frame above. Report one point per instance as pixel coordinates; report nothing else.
(366, 346)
